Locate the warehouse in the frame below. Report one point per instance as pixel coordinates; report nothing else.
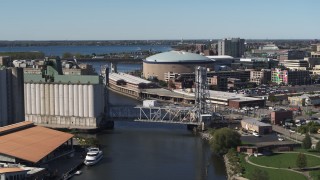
(256, 126)
(32, 145)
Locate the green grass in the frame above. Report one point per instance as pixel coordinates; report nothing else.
(274, 174)
(283, 160)
(315, 174)
(308, 151)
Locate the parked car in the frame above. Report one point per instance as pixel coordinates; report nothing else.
(256, 134)
(281, 139)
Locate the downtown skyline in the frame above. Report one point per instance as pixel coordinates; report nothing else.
(145, 20)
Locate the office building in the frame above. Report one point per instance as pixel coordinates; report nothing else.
(234, 47)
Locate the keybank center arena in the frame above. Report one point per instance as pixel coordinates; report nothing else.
(164, 66)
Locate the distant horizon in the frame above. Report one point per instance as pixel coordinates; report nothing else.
(167, 20)
(161, 39)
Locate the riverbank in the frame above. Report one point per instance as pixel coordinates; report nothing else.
(230, 175)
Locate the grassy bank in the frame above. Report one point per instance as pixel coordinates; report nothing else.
(283, 160)
(274, 174)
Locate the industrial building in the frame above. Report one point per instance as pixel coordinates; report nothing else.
(128, 84)
(156, 66)
(64, 101)
(28, 144)
(304, 100)
(280, 116)
(68, 67)
(256, 126)
(220, 98)
(11, 96)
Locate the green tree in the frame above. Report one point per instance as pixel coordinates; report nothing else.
(306, 142)
(318, 146)
(301, 161)
(258, 174)
(67, 55)
(224, 139)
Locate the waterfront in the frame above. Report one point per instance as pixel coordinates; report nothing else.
(135, 150)
(153, 151)
(86, 50)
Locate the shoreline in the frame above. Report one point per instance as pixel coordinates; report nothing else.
(206, 136)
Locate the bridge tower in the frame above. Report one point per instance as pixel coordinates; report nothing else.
(201, 92)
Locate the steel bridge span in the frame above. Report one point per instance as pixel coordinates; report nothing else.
(165, 114)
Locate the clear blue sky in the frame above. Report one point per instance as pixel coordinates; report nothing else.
(161, 19)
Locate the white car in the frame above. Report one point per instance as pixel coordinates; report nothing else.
(280, 139)
(255, 134)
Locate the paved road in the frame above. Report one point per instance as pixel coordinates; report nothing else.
(291, 135)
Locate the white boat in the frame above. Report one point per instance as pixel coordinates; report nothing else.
(93, 156)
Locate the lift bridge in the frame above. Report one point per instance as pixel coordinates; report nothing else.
(195, 115)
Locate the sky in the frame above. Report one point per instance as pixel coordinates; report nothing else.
(156, 20)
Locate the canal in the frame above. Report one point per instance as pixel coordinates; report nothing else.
(136, 150)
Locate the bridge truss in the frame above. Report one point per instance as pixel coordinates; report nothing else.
(168, 114)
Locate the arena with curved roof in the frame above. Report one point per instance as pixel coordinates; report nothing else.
(167, 64)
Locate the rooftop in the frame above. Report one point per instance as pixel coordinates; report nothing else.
(11, 169)
(177, 56)
(255, 122)
(31, 143)
(220, 57)
(128, 78)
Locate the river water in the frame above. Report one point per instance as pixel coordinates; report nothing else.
(143, 151)
(152, 151)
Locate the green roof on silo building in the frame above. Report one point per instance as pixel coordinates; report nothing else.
(177, 57)
(53, 74)
(64, 79)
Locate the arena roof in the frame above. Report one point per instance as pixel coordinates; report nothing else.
(220, 57)
(32, 143)
(177, 56)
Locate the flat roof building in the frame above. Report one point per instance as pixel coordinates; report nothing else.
(29, 144)
(257, 126)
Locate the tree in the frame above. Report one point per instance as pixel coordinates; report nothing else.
(301, 161)
(67, 55)
(224, 139)
(318, 146)
(306, 142)
(258, 174)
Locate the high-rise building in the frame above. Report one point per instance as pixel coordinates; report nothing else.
(233, 47)
(11, 96)
(290, 77)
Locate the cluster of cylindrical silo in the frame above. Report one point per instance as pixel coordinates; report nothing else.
(69, 100)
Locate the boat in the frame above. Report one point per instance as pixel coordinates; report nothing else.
(94, 155)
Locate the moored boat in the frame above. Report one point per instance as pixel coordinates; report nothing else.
(94, 155)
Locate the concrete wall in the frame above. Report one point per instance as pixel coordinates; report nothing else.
(11, 96)
(65, 104)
